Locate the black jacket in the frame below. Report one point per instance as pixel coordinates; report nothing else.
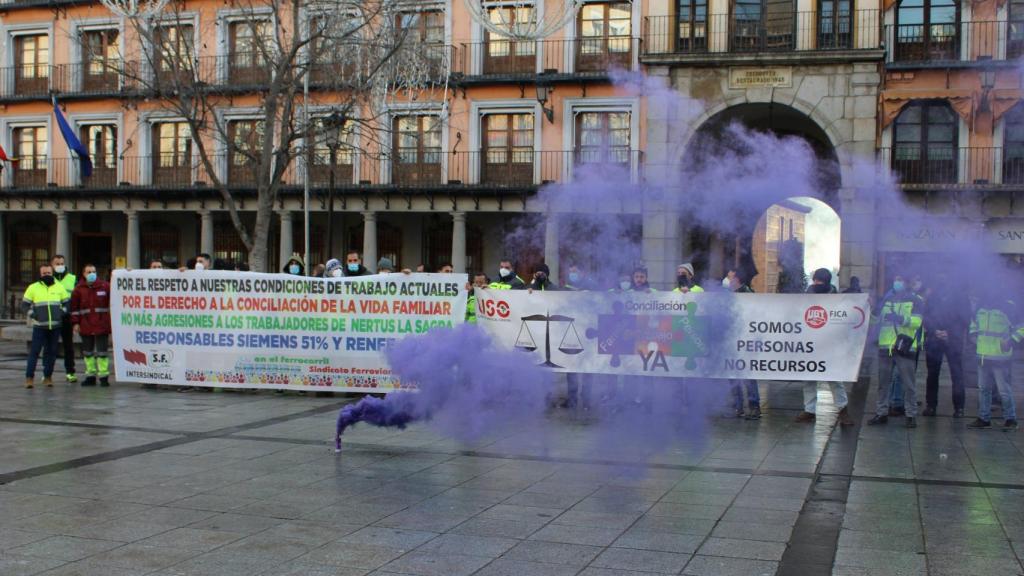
(361, 272)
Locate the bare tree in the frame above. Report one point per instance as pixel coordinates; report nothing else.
(354, 55)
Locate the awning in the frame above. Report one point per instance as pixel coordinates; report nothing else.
(1002, 100)
(893, 102)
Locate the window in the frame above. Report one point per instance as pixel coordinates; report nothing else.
(317, 241)
(228, 247)
(31, 149)
(505, 56)
(175, 53)
(925, 143)
(604, 36)
(344, 154)
(251, 40)
(1015, 40)
(159, 242)
(417, 150)
(927, 30)
(31, 64)
(172, 154)
(762, 25)
(332, 47)
(603, 138)
(101, 142)
(246, 142)
(425, 29)
(834, 24)
(101, 59)
(389, 243)
(1013, 146)
(692, 18)
(30, 249)
(508, 149)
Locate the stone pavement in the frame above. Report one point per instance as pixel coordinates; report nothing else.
(128, 481)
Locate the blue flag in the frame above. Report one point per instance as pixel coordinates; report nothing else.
(72, 141)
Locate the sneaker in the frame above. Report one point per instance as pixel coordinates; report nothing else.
(48, 382)
(979, 424)
(844, 417)
(928, 412)
(876, 419)
(89, 381)
(754, 414)
(958, 413)
(911, 422)
(1010, 425)
(71, 378)
(739, 413)
(30, 383)
(104, 381)
(805, 417)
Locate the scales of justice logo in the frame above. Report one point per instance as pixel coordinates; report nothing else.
(569, 344)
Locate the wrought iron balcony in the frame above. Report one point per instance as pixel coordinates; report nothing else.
(580, 57)
(919, 166)
(953, 42)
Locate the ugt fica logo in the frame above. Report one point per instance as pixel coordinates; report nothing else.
(816, 317)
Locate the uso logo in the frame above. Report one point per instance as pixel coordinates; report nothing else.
(493, 308)
(815, 317)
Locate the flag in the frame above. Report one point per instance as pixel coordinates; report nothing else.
(3, 155)
(72, 141)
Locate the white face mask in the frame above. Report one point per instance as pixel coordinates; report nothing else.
(725, 283)
(200, 267)
(59, 269)
(503, 272)
(625, 284)
(336, 273)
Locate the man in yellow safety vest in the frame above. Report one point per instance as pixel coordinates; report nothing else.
(46, 302)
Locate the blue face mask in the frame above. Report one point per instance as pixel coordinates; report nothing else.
(90, 277)
(293, 269)
(574, 277)
(898, 286)
(353, 267)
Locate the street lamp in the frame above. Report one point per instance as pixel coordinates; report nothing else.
(334, 126)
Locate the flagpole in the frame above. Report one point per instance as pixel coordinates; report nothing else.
(305, 161)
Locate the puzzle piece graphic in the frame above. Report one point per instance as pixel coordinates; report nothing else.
(619, 334)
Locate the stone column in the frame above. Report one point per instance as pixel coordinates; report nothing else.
(133, 241)
(206, 232)
(286, 248)
(459, 241)
(63, 244)
(551, 245)
(370, 240)
(3, 264)
(716, 259)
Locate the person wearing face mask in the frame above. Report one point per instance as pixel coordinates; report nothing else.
(333, 269)
(46, 302)
(295, 265)
(354, 264)
(947, 315)
(90, 315)
(68, 281)
(577, 385)
(203, 262)
(507, 278)
(684, 279)
(900, 321)
(542, 279)
(995, 330)
(821, 283)
(385, 266)
(480, 282)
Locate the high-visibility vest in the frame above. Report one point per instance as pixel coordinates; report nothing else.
(910, 312)
(69, 281)
(471, 309)
(46, 304)
(694, 288)
(992, 326)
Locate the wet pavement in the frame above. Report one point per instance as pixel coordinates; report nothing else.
(127, 481)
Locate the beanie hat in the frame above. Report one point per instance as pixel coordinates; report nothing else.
(543, 268)
(332, 265)
(688, 267)
(386, 264)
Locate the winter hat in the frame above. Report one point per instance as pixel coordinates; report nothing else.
(332, 265)
(688, 267)
(385, 264)
(544, 268)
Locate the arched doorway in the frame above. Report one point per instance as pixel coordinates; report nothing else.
(792, 239)
(748, 131)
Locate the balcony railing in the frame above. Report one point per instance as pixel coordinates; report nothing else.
(581, 56)
(955, 42)
(916, 165)
(497, 169)
(788, 32)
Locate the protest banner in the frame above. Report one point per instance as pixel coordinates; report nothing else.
(246, 330)
(708, 335)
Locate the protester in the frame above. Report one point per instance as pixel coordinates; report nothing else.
(854, 287)
(333, 269)
(624, 284)
(319, 271)
(577, 385)
(995, 330)
(156, 264)
(385, 266)
(542, 279)
(90, 315)
(67, 337)
(202, 262)
(946, 318)
(480, 282)
(821, 283)
(507, 278)
(900, 321)
(295, 265)
(354, 264)
(46, 302)
(445, 269)
(684, 279)
(736, 385)
(638, 281)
